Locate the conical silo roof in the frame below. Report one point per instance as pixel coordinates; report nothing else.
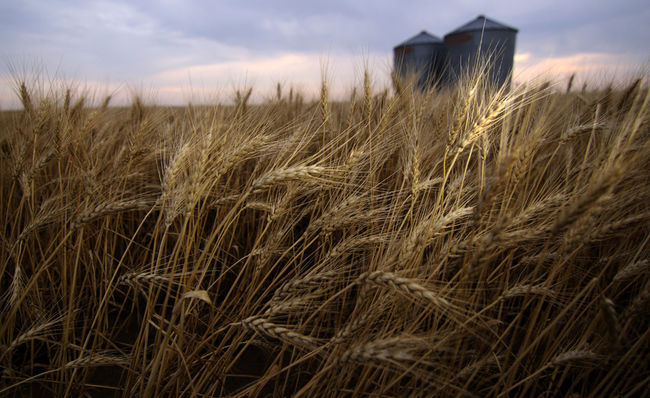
(481, 23)
(423, 37)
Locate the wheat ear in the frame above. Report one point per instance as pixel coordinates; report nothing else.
(396, 349)
(98, 359)
(297, 285)
(105, 209)
(280, 176)
(575, 357)
(390, 280)
(635, 269)
(429, 228)
(264, 327)
(526, 290)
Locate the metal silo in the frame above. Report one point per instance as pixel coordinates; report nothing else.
(481, 40)
(423, 55)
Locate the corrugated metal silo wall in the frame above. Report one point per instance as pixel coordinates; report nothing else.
(463, 48)
(437, 64)
(426, 61)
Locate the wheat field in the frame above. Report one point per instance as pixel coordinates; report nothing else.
(459, 242)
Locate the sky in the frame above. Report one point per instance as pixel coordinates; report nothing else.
(175, 51)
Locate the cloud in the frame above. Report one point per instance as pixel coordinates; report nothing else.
(136, 42)
(521, 58)
(596, 68)
(301, 71)
(216, 82)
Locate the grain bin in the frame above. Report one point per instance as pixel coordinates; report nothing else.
(422, 55)
(480, 40)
